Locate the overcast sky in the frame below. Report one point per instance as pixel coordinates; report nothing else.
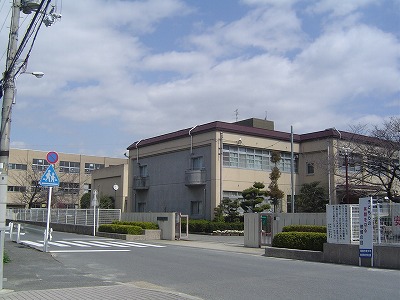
(119, 71)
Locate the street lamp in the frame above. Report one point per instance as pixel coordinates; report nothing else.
(36, 74)
(115, 188)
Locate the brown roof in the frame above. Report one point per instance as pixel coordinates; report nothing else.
(252, 131)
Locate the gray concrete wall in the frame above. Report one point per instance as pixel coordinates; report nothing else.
(285, 219)
(167, 190)
(165, 221)
(252, 228)
(385, 256)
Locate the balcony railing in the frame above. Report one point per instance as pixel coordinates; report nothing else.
(195, 177)
(141, 182)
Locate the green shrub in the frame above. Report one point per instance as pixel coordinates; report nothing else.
(300, 240)
(204, 226)
(144, 225)
(304, 228)
(6, 258)
(122, 229)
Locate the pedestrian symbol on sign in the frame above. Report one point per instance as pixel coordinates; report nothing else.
(49, 177)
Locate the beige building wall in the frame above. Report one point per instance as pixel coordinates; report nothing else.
(73, 170)
(113, 182)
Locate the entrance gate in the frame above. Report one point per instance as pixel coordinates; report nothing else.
(266, 229)
(258, 229)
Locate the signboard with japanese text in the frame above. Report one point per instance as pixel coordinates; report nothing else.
(338, 224)
(366, 227)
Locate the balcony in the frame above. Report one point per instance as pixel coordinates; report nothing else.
(141, 182)
(195, 177)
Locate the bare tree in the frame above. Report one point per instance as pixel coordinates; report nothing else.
(377, 151)
(31, 194)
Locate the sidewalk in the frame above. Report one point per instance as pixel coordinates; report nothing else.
(32, 274)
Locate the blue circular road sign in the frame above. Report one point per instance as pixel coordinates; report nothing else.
(52, 157)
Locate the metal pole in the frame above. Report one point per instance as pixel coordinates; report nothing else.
(221, 195)
(292, 169)
(8, 97)
(48, 221)
(94, 220)
(329, 174)
(346, 158)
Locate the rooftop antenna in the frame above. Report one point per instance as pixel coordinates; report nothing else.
(236, 114)
(266, 115)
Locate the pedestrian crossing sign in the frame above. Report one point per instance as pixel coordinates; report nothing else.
(49, 177)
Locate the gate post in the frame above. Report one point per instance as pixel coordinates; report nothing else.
(252, 230)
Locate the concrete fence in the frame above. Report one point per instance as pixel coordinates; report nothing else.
(167, 222)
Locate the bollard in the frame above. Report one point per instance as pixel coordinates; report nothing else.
(11, 225)
(18, 233)
(45, 241)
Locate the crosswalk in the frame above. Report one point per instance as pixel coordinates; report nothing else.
(104, 245)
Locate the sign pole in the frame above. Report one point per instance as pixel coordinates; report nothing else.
(48, 220)
(366, 248)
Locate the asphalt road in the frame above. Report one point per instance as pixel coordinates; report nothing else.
(207, 273)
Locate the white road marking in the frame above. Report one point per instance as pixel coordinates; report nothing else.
(145, 245)
(58, 244)
(125, 245)
(75, 243)
(32, 243)
(88, 251)
(93, 243)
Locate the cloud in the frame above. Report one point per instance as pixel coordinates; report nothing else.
(109, 78)
(265, 29)
(341, 8)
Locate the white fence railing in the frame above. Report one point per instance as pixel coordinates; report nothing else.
(66, 216)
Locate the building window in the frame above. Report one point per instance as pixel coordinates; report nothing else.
(197, 163)
(143, 171)
(141, 206)
(255, 159)
(90, 167)
(21, 189)
(39, 164)
(69, 167)
(232, 195)
(35, 187)
(195, 208)
(69, 187)
(310, 168)
(87, 188)
(22, 167)
(354, 162)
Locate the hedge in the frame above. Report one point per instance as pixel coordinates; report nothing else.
(144, 225)
(300, 240)
(204, 226)
(304, 228)
(122, 229)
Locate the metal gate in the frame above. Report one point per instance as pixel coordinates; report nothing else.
(266, 229)
(178, 226)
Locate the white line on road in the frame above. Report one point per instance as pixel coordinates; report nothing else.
(127, 244)
(145, 245)
(32, 243)
(93, 243)
(88, 251)
(58, 244)
(75, 244)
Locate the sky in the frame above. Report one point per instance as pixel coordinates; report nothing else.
(117, 71)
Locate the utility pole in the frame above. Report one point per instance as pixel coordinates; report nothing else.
(8, 97)
(8, 82)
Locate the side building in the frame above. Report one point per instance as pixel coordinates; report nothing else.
(74, 171)
(192, 169)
